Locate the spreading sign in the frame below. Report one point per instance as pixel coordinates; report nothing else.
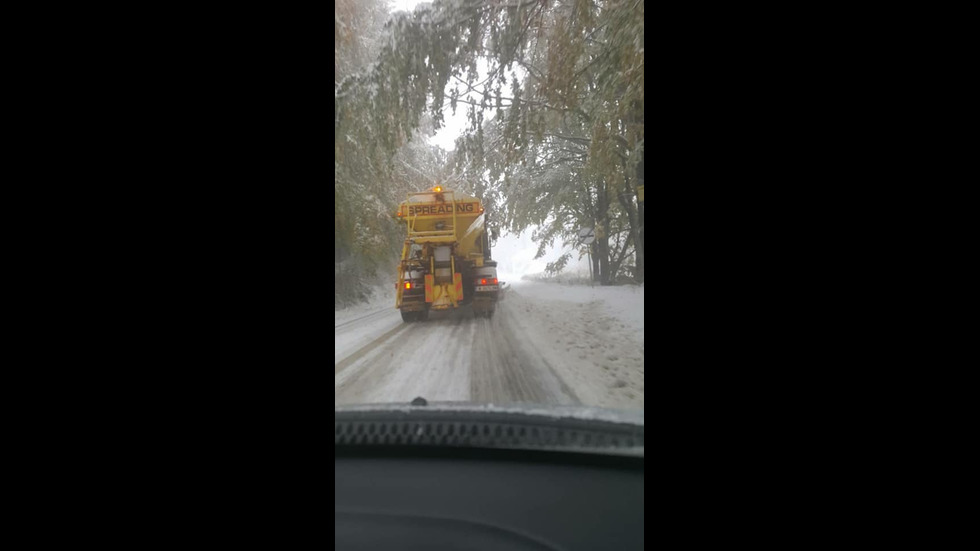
(441, 209)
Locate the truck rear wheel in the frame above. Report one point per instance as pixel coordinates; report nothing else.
(408, 317)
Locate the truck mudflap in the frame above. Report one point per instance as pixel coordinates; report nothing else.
(458, 284)
(428, 287)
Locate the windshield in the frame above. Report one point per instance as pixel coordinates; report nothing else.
(531, 113)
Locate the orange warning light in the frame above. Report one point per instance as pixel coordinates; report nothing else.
(408, 284)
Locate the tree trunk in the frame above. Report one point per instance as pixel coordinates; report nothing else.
(626, 200)
(603, 249)
(636, 117)
(595, 262)
(617, 262)
(640, 261)
(602, 240)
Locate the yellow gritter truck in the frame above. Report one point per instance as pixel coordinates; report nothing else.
(445, 262)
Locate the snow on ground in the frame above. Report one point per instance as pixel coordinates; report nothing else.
(421, 361)
(591, 336)
(358, 325)
(549, 344)
(555, 412)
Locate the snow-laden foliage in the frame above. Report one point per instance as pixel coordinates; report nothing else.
(567, 143)
(365, 237)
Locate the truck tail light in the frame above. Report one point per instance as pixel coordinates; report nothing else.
(483, 281)
(408, 284)
(494, 281)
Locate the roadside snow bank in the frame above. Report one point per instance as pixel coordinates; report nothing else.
(591, 336)
(624, 303)
(381, 297)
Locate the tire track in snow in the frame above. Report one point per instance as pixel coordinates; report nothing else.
(371, 365)
(456, 358)
(507, 368)
(374, 314)
(429, 359)
(364, 350)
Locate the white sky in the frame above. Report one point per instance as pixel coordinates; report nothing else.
(515, 257)
(514, 254)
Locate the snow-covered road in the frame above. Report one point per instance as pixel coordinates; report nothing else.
(547, 344)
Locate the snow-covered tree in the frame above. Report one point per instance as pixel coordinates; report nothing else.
(565, 81)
